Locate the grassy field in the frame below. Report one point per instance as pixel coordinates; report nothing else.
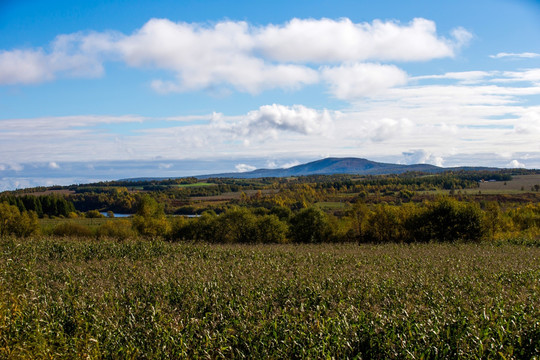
(92, 223)
(332, 205)
(518, 183)
(143, 299)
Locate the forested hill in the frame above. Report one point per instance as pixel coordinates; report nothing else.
(331, 166)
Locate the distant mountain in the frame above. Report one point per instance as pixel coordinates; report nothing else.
(330, 166)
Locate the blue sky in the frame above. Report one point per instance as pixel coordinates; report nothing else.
(112, 89)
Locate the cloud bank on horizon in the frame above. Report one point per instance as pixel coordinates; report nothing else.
(383, 107)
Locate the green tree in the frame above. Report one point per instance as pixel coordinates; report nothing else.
(150, 218)
(270, 229)
(236, 225)
(386, 223)
(8, 217)
(15, 222)
(448, 220)
(310, 225)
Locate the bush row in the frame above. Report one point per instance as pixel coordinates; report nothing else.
(444, 220)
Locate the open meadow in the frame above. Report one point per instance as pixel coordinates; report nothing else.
(71, 298)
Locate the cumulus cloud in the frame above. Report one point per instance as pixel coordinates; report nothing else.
(54, 165)
(24, 67)
(386, 129)
(526, 55)
(514, 164)
(358, 80)
(238, 56)
(244, 57)
(326, 40)
(297, 118)
(244, 168)
(420, 156)
(528, 122)
(71, 55)
(202, 57)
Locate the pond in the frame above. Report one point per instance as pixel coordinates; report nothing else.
(117, 215)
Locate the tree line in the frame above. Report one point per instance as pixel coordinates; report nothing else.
(443, 220)
(50, 205)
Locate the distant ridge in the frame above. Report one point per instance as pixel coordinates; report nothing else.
(331, 166)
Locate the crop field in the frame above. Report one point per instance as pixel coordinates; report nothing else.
(68, 298)
(518, 183)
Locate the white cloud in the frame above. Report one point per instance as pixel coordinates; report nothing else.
(244, 168)
(514, 164)
(386, 129)
(358, 80)
(24, 67)
(203, 57)
(461, 37)
(290, 164)
(528, 122)
(420, 156)
(327, 41)
(54, 165)
(297, 118)
(234, 55)
(71, 55)
(526, 55)
(270, 164)
(11, 166)
(163, 166)
(463, 76)
(529, 75)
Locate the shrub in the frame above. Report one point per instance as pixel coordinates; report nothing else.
(118, 229)
(94, 214)
(72, 229)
